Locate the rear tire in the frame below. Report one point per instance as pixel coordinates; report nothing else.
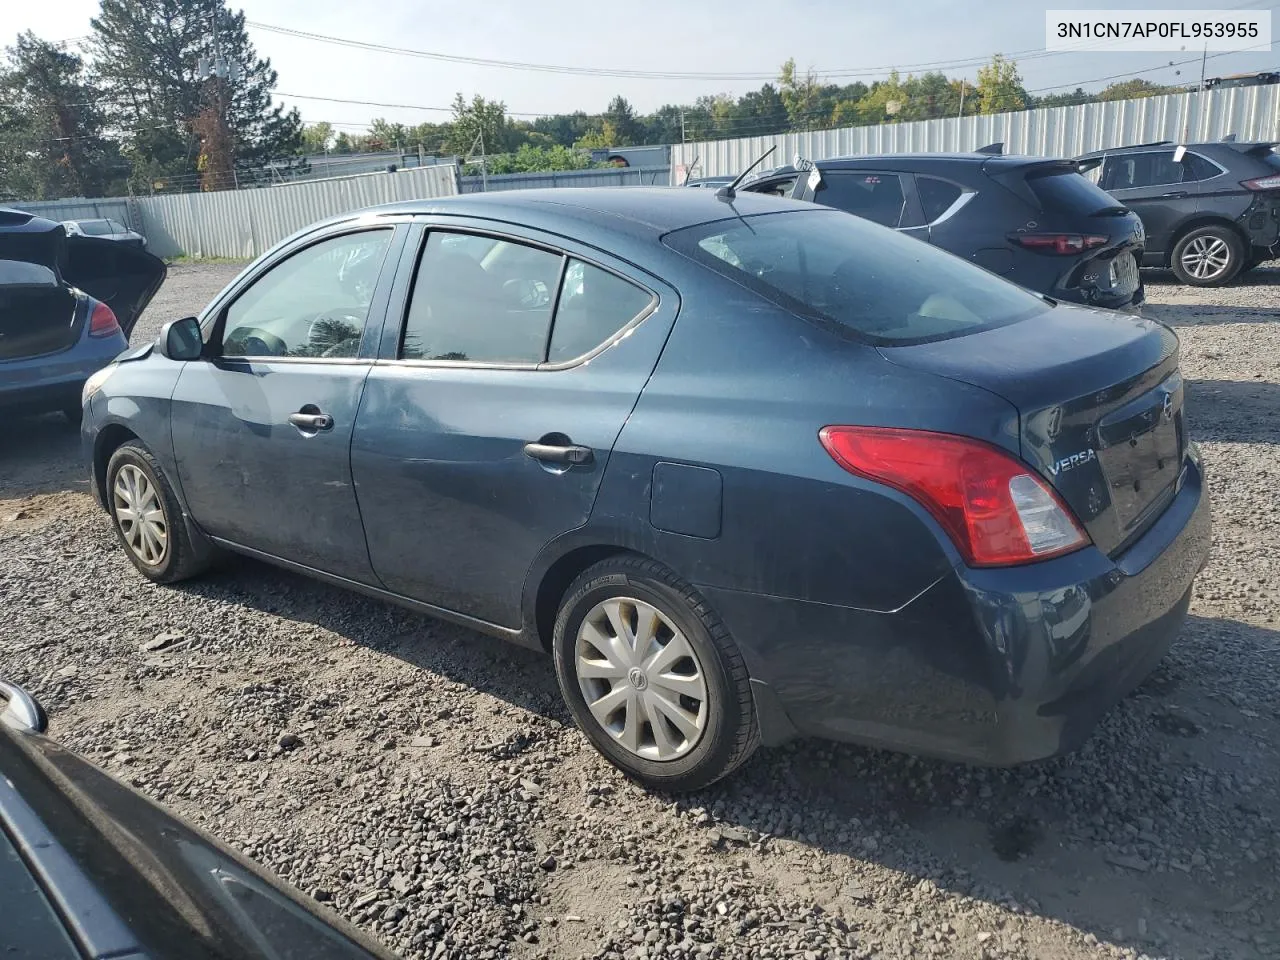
(1208, 256)
(147, 517)
(677, 716)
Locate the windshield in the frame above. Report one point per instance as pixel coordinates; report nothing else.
(95, 228)
(875, 282)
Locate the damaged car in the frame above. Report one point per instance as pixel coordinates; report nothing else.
(67, 306)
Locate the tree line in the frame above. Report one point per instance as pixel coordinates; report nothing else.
(170, 95)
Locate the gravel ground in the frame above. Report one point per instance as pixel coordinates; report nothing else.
(426, 781)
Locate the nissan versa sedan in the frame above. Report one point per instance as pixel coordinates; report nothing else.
(748, 468)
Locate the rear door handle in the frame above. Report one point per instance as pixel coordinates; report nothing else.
(550, 453)
(311, 421)
(1173, 196)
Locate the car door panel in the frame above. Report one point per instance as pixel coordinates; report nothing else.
(255, 466)
(1162, 206)
(455, 510)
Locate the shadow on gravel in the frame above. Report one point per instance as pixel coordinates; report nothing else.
(1117, 840)
(521, 677)
(1234, 411)
(1141, 838)
(40, 455)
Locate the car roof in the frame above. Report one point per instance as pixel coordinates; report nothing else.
(1211, 146)
(990, 162)
(650, 211)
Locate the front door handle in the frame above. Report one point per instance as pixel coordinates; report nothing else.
(1177, 194)
(311, 421)
(553, 453)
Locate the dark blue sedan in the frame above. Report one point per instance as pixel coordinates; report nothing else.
(747, 469)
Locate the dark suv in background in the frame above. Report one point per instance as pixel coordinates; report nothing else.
(1035, 221)
(1211, 210)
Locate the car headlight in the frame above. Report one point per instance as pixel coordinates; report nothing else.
(95, 382)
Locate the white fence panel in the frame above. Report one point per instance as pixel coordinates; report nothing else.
(245, 223)
(1251, 113)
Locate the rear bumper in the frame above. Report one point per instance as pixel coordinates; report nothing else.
(997, 666)
(53, 382)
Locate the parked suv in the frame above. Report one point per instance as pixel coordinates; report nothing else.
(1035, 221)
(1211, 210)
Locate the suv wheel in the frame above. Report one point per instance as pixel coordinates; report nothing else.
(652, 676)
(1208, 256)
(147, 518)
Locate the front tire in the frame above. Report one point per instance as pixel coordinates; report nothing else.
(652, 676)
(147, 517)
(1208, 256)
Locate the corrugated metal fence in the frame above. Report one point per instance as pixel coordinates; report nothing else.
(604, 177)
(1251, 113)
(244, 223)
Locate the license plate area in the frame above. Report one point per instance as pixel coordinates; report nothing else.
(1124, 273)
(1140, 447)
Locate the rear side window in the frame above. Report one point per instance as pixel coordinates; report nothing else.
(873, 196)
(842, 271)
(1141, 170)
(1068, 192)
(491, 308)
(936, 196)
(488, 300)
(1198, 168)
(594, 305)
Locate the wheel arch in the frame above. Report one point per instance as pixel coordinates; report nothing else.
(1203, 220)
(108, 440)
(548, 587)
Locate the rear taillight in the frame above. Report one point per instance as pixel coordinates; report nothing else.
(102, 322)
(1262, 183)
(1060, 243)
(996, 511)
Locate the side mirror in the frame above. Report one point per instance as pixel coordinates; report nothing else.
(181, 340)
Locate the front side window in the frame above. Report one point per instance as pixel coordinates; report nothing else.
(885, 287)
(313, 304)
(481, 299)
(873, 196)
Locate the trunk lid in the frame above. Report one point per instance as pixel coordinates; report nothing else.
(1099, 399)
(122, 276)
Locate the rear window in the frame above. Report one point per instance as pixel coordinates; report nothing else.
(881, 285)
(1069, 192)
(95, 228)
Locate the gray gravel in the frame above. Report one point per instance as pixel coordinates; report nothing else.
(425, 782)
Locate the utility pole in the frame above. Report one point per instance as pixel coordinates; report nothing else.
(961, 113)
(682, 136)
(1186, 127)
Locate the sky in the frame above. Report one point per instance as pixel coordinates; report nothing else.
(714, 36)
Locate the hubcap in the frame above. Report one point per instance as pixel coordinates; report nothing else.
(1206, 257)
(641, 679)
(136, 504)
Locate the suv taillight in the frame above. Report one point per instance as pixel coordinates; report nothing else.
(995, 509)
(1262, 183)
(102, 322)
(1059, 243)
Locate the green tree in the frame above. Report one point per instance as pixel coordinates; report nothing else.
(51, 129)
(1000, 86)
(317, 137)
(1077, 96)
(147, 55)
(1135, 89)
(530, 158)
(801, 96)
(480, 123)
(620, 126)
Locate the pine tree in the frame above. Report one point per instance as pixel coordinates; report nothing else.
(147, 56)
